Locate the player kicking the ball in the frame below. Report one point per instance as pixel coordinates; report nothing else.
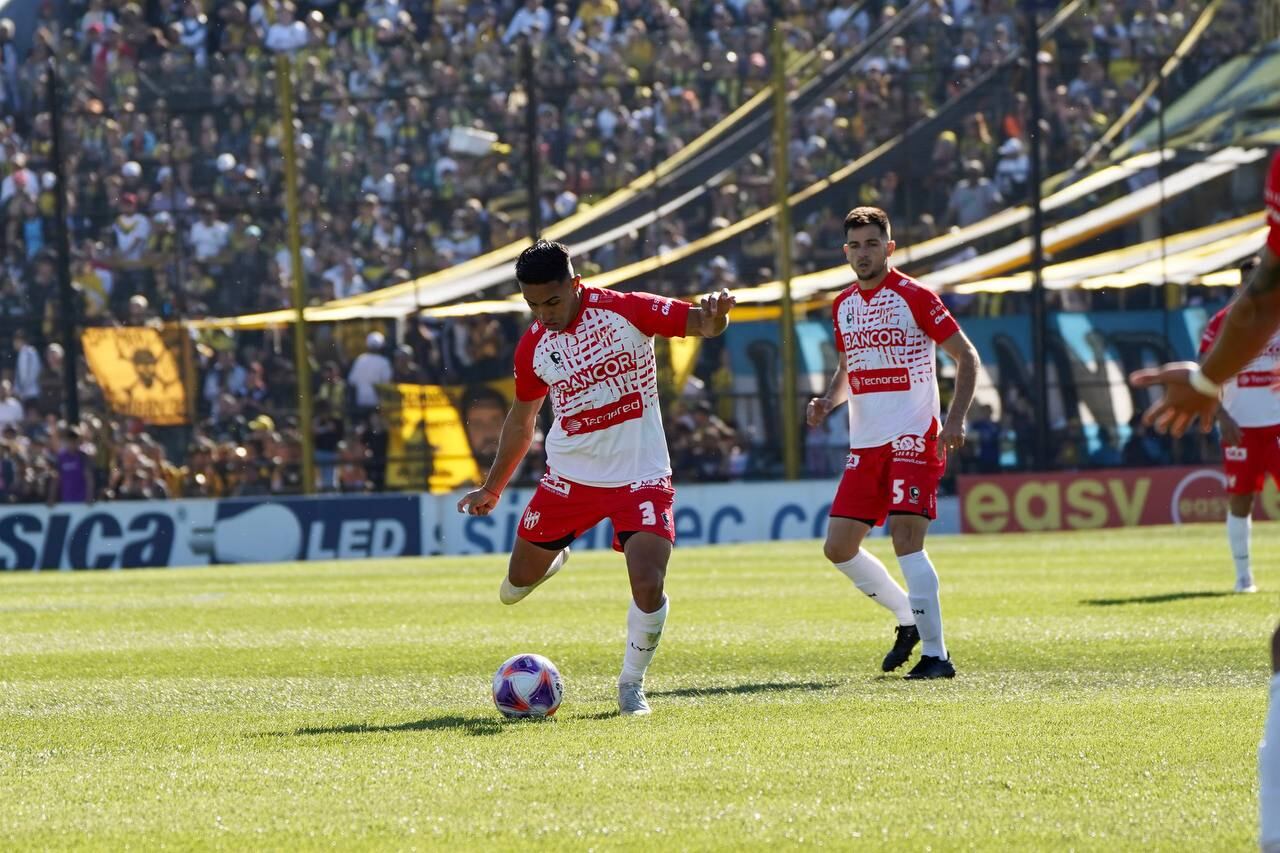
(886, 328)
(592, 350)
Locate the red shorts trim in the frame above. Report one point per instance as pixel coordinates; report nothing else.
(901, 476)
(560, 509)
(1248, 464)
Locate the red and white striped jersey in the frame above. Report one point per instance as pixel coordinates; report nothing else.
(888, 339)
(602, 376)
(1248, 396)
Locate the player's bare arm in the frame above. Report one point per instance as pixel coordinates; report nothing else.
(837, 393)
(712, 315)
(965, 355)
(513, 444)
(1192, 391)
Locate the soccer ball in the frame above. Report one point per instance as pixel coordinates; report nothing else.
(527, 686)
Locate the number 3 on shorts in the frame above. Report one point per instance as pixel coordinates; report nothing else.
(648, 515)
(898, 495)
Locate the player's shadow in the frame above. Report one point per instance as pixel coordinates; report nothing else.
(474, 726)
(1163, 598)
(742, 689)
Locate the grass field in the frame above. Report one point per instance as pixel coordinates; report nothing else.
(1110, 696)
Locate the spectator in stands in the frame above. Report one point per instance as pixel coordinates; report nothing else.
(974, 198)
(26, 374)
(370, 369)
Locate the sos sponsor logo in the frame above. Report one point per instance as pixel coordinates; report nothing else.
(1235, 454)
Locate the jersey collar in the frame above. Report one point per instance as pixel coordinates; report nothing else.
(891, 276)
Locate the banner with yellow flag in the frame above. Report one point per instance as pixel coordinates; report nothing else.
(138, 373)
(442, 436)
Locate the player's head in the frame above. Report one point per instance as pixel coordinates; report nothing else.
(868, 241)
(547, 280)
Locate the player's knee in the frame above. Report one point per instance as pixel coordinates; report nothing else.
(906, 539)
(840, 552)
(1241, 506)
(647, 591)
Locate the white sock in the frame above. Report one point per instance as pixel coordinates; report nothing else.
(644, 631)
(871, 577)
(1269, 775)
(922, 592)
(1238, 529)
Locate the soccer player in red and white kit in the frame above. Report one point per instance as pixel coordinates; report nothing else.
(1192, 393)
(592, 351)
(1249, 423)
(887, 328)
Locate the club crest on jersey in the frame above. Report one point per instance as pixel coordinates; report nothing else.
(555, 357)
(531, 519)
(913, 494)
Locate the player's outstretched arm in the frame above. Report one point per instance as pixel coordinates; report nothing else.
(965, 355)
(837, 393)
(513, 444)
(1191, 390)
(711, 317)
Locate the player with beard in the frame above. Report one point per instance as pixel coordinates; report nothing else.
(592, 351)
(887, 329)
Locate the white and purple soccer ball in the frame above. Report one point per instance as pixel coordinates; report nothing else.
(527, 686)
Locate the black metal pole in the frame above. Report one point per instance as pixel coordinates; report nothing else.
(1039, 309)
(66, 297)
(531, 137)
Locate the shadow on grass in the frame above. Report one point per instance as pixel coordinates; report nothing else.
(741, 689)
(1163, 598)
(474, 726)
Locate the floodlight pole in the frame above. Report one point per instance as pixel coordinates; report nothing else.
(782, 250)
(531, 137)
(301, 352)
(66, 296)
(1039, 308)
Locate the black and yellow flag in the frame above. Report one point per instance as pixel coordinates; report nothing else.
(138, 374)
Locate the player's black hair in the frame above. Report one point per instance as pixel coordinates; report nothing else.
(545, 262)
(861, 216)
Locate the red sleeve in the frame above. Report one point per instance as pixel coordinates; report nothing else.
(930, 314)
(1273, 205)
(1211, 331)
(653, 315)
(529, 386)
(835, 319)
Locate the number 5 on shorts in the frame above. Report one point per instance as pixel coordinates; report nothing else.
(898, 494)
(648, 515)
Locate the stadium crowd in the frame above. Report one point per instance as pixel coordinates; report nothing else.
(172, 154)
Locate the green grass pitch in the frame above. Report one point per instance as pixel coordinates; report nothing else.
(1110, 697)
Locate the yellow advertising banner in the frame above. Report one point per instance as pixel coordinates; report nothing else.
(138, 373)
(443, 436)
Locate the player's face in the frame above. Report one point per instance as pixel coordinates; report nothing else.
(868, 249)
(553, 305)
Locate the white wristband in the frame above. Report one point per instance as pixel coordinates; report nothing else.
(1204, 384)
